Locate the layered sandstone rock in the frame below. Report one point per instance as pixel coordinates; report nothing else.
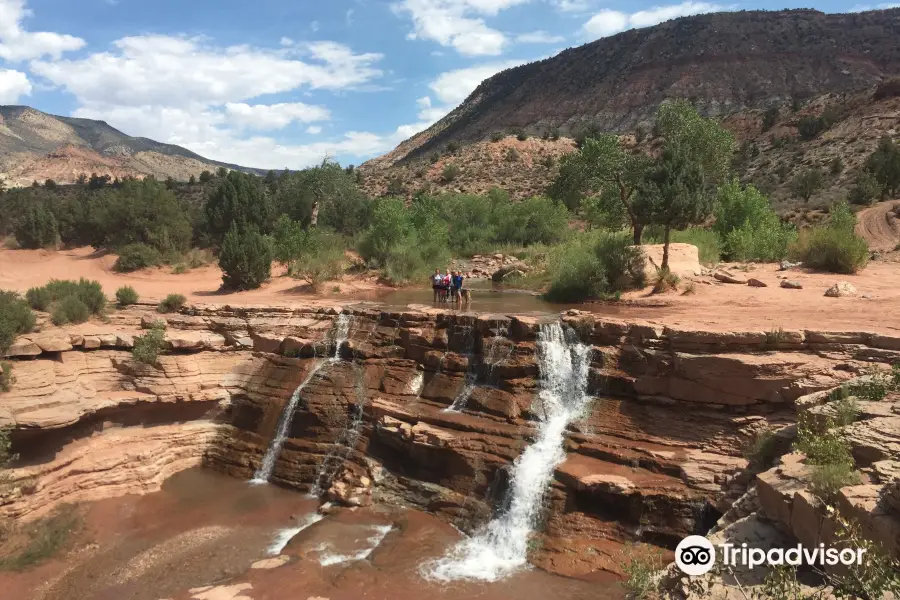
(659, 455)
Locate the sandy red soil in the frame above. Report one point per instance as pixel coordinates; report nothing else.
(716, 306)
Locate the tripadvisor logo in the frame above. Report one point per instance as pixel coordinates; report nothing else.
(695, 555)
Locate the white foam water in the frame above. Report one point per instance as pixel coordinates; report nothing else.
(286, 535)
(267, 466)
(501, 547)
(414, 388)
(379, 533)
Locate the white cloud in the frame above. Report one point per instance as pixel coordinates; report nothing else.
(273, 116)
(865, 7)
(607, 22)
(190, 92)
(452, 87)
(16, 44)
(314, 130)
(173, 71)
(457, 23)
(13, 85)
(539, 37)
(572, 5)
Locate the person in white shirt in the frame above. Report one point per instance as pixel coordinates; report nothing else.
(437, 284)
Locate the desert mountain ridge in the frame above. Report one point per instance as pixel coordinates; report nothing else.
(760, 72)
(37, 146)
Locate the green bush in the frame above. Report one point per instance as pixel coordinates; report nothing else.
(15, 318)
(762, 449)
(245, 259)
(833, 247)
(134, 257)
(88, 293)
(321, 257)
(69, 309)
(595, 266)
(536, 220)
(6, 381)
(827, 480)
(36, 228)
(126, 295)
(171, 303)
(451, 171)
(149, 346)
(497, 136)
(865, 190)
(642, 573)
(747, 226)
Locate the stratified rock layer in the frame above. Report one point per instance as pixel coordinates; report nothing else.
(659, 456)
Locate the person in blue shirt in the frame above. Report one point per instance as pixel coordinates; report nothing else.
(456, 285)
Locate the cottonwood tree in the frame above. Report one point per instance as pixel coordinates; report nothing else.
(675, 194)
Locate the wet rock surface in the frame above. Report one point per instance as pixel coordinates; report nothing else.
(659, 451)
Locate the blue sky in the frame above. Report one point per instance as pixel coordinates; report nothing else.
(284, 83)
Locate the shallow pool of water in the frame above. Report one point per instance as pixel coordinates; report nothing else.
(486, 298)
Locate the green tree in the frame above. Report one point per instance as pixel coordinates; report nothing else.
(675, 195)
(287, 241)
(884, 164)
(807, 183)
(206, 177)
(240, 200)
(142, 212)
(866, 189)
(36, 228)
(342, 206)
(245, 258)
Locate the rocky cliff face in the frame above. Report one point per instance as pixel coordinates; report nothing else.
(723, 63)
(659, 455)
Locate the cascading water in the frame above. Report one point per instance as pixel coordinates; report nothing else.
(501, 547)
(264, 472)
(462, 397)
(345, 442)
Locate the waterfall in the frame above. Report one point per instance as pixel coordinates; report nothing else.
(264, 472)
(501, 546)
(462, 397)
(345, 442)
(415, 385)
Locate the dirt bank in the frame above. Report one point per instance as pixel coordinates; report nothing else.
(717, 306)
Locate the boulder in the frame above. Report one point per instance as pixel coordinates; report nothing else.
(23, 347)
(684, 259)
(753, 282)
(791, 284)
(516, 269)
(841, 289)
(786, 264)
(728, 278)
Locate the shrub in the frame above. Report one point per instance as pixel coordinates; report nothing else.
(532, 221)
(15, 318)
(807, 183)
(595, 266)
(497, 136)
(126, 295)
(665, 281)
(765, 240)
(70, 309)
(887, 89)
(321, 257)
(450, 172)
(865, 190)
(833, 247)
(6, 379)
(171, 303)
(245, 259)
(642, 573)
(770, 117)
(827, 480)
(149, 346)
(136, 256)
(810, 126)
(836, 166)
(88, 293)
(36, 228)
(822, 445)
(512, 155)
(761, 450)
(521, 135)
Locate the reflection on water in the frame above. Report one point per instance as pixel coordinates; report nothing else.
(486, 298)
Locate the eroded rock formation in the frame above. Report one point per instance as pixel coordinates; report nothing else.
(659, 457)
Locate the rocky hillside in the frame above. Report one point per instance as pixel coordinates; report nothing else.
(38, 146)
(722, 62)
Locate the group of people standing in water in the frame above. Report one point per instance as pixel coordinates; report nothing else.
(447, 287)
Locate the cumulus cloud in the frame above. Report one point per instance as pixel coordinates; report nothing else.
(865, 7)
(16, 44)
(190, 92)
(452, 87)
(608, 22)
(572, 5)
(13, 85)
(314, 130)
(273, 116)
(539, 37)
(175, 71)
(457, 23)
